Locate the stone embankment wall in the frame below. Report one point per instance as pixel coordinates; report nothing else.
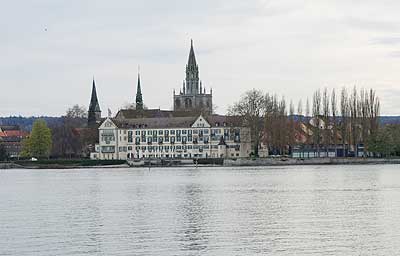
(307, 161)
(9, 166)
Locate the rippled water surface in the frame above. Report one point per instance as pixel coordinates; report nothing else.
(309, 210)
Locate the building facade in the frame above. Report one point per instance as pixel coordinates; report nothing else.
(11, 137)
(193, 95)
(183, 137)
(189, 131)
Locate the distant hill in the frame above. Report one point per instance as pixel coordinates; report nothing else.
(390, 120)
(25, 123)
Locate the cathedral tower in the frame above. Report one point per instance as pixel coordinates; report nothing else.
(193, 96)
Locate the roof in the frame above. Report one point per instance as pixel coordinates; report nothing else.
(94, 102)
(14, 133)
(9, 127)
(174, 122)
(153, 113)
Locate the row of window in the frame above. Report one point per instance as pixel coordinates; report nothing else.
(167, 148)
(179, 132)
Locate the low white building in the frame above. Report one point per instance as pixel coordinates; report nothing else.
(172, 137)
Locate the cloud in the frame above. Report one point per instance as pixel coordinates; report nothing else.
(286, 47)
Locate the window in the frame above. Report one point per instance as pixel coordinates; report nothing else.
(130, 136)
(184, 131)
(172, 132)
(137, 133)
(160, 132)
(107, 149)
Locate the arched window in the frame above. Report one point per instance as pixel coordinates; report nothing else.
(188, 103)
(177, 103)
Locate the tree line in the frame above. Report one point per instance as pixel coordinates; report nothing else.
(332, 120)
(68, 138)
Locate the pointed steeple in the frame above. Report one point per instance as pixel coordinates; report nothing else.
(94, 113)
(192, 57)
(192, 73)
(139, 98)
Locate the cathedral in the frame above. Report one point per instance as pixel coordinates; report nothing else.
(193, 96)
(189, 131)
(192, 99)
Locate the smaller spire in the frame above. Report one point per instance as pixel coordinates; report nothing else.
(139, 97)
(94, 113)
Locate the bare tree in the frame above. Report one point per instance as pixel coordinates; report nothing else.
(76, 111)
(292, 128)
(300, 126)
(344, 112)
(326, 119)
(316, 120)
(354, 111)
(251, 109)
(334, 120)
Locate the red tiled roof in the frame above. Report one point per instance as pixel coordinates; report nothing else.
(14, 133)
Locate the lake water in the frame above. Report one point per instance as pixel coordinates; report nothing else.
(306, 210)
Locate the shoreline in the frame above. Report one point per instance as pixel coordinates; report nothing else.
(259, 162)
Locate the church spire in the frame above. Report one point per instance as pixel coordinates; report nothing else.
(192, 73)
(139, 98)
(192, 56)
(94, 113)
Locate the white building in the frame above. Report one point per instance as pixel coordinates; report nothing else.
(172, 137)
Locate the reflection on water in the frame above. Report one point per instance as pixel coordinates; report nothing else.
(310, 210)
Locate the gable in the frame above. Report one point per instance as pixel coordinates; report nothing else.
(201, 122)
(108, 124)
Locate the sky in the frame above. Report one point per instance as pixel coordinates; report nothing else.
(50, 50)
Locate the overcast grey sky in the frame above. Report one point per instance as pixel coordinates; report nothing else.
(50, 49)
